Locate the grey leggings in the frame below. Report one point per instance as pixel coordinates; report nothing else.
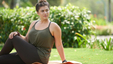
(26, 53)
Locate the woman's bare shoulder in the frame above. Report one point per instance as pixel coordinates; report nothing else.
(55, 25)
(32, 23)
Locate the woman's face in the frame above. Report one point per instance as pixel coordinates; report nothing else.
(43, 12)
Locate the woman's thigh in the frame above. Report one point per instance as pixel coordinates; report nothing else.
(26, 51)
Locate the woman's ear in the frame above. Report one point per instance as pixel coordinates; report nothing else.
(38, 13)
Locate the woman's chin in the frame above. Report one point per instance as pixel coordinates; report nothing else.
(45, 18)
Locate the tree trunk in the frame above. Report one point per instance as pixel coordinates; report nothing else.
(12, 4)
(109, 11)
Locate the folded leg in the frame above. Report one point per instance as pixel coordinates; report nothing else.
(27, 52)
(11, 59)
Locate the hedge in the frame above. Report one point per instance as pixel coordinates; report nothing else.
(70, 18)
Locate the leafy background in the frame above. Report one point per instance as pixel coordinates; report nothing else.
(71, 19)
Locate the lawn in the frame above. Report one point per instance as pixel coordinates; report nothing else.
(84, 55)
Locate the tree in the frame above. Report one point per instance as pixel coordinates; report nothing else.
(33, 2)
(109, 11)
(10, 3)
(55, 2)
(13, 4)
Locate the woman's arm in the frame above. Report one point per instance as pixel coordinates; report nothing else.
(23, 37)
(58, 41)
(26, 37)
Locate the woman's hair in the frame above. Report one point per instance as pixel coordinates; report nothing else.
(41, 3)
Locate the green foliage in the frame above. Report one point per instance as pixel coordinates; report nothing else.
(55, 2)
(15, 20)
(102, 27)
(104, 32)
(71, 19)
(82, 41)
(100, 21)
(1, 8)
(107, 44)
(26, 4)
(95, 44)
(98, 7)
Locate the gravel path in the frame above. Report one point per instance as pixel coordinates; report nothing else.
(103, 37)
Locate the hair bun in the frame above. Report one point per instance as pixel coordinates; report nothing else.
(40, 1)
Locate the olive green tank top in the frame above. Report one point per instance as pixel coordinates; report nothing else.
(43, 41)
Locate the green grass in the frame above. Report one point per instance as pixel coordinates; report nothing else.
(84, 55)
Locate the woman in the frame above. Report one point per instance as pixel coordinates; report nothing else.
(36, 45)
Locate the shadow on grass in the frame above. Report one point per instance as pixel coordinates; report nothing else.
(111, 63)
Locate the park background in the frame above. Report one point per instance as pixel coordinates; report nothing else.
(87, 26)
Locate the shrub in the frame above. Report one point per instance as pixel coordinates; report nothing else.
(15, 20)
(71, 19)
(103, 32)
(81, 42)
(107, 44)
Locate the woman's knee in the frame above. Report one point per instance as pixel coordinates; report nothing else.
(16, 37)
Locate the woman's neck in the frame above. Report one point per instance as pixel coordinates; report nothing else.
(44, 20)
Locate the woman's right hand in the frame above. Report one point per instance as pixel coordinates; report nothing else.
(12, 34)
